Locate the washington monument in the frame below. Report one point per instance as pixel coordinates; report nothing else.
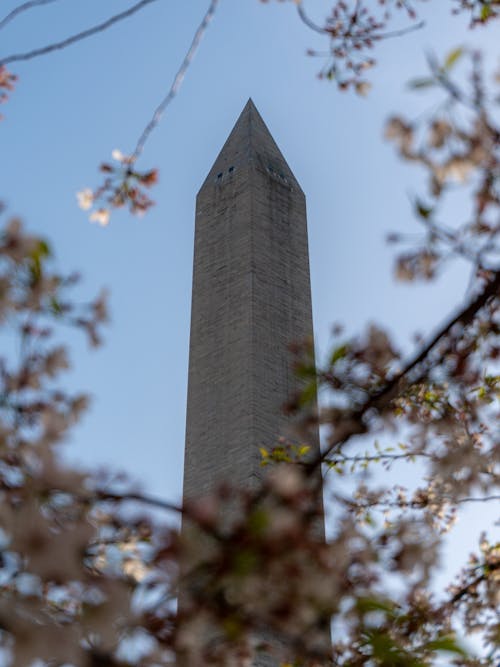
(251, 299)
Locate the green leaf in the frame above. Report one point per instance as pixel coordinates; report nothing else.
(305, 371)
(482, 393)
(366, 605)
(448, 644)
(40, 252)
(44, 249)
(452, 58)
(280, 454)
(35, 269)
(55, 306)
(338, 353)
(486, 12)
(309, 393)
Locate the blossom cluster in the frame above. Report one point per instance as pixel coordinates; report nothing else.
(256, 577)
(122, 187)
(459, 145)
(90, 578)
(481, 11)
(353, 29)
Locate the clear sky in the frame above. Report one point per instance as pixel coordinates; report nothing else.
(72, 108)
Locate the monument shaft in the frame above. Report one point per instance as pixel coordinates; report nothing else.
(251, 300)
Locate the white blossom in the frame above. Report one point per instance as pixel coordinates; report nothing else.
(85, 199)
(101, 216)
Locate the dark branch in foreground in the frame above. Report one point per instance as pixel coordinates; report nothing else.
(78, 37)
(414, 370)
(473, 584)
(133, 497)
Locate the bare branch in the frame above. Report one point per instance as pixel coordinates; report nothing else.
(307, 21)
(400, 33)
(464, 317)
(178, 79)
(102, 495)
(414, 504)
(135, 497)
(23, 8)
(382, 35)
(477, 499)
(376, 458)
(413, 371)
(473, 584)
(78, 37)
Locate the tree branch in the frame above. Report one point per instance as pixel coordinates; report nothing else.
(57, 46)
(101, 495)
(400, 33)
(473, 584)
(307, 21)
(413, 504)
(139, 498)
(411, 372)
(178, 79)
(23, 8)
(376, 457)
(324, 31)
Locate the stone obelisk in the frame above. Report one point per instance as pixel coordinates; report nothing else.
(251, 299)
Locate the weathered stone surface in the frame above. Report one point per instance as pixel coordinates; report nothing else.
(251, 299)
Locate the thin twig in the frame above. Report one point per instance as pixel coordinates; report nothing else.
(400, 33)
(101, 496)
(152, 501)
(377, 458)
(414, 504)
(57, 46)
(307, 21)
(473, 584)
(23, 8)
(324, 31)
(178, 79)
(477, 499)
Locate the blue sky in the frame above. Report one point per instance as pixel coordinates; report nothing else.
(72, 108)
